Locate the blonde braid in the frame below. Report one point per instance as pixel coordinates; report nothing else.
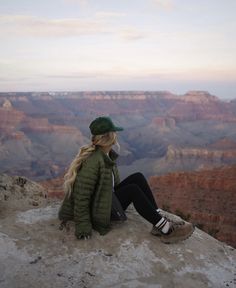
(70, 176)
(106, 139)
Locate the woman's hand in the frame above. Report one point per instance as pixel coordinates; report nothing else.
(83, 230)
(84, 237)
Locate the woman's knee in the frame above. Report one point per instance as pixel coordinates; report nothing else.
(132, 190)
(138, 175)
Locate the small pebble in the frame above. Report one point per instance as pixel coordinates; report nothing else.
(35, 260)
(35, 203)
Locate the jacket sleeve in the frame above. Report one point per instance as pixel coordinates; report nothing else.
(83, 190)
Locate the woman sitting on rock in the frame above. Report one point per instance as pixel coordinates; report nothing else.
(95, 195)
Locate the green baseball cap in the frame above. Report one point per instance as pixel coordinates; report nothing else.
(102, 125)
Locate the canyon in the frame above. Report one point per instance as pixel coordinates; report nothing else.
(165, 134)
(206, 198)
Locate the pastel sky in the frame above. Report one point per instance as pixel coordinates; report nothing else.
(175, 45)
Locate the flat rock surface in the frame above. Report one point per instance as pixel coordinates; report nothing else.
(35, 253)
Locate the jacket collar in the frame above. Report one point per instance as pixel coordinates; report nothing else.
(112, 156)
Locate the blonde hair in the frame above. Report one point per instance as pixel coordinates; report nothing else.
(106, 139)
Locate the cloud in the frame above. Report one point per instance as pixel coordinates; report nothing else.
(80, 75)
(114, 71)
(7, 79)
(108, 14)
(31, 26)
(80, 2)
(18, 25)
(164, 4)
(130, 34)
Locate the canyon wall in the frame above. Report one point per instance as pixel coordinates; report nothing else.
(40, 133)
(206, 198)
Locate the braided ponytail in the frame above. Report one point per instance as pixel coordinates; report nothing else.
(107, 139)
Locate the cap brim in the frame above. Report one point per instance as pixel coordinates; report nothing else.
(118, 129)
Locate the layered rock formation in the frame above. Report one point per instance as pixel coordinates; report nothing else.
(35, 253)
(54, 187)
(206, 198)
(201, 105)
(164, 122)
(227, 156)
(10, 118)
(33, 146)
(163, 132)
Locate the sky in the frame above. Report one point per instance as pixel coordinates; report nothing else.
(68, 45)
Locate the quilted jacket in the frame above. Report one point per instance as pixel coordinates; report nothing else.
(90, 202)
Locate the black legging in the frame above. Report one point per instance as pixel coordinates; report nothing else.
(135, 189)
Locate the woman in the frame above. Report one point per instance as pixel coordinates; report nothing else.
(95, 195)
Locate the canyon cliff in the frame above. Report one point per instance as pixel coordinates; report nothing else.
(42, 132)
(33, 146)
(206, 198)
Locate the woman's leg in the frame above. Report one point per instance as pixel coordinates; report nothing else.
(139, 180)
(131, 193)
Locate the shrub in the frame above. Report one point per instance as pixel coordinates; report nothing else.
(213, 231)
(200, 225)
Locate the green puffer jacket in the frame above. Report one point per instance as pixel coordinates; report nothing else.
(90, 202)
